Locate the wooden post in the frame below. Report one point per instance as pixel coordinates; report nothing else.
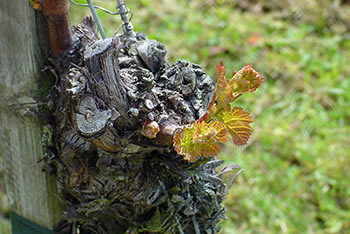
(24, 49)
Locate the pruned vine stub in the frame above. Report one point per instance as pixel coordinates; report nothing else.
(112, 176)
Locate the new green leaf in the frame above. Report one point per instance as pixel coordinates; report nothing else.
(199, 139)
(224, 89)
(238, 123)
(245, 80)
(202, 137)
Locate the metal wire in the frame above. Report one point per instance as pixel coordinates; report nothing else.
(104, 9)
(97, 20)
(131, 15)
(98, 7)
(127, 26)
(124, 10)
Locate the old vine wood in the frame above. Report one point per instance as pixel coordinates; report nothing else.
(110, 176)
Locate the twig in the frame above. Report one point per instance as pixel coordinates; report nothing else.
(74, 228)
(232, 180)
(179, 227)
(195, 224)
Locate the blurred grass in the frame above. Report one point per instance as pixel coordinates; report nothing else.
(297, 164)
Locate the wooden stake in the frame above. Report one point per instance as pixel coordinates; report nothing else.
(24, 50)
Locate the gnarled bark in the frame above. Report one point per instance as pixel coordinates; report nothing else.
(111, 177)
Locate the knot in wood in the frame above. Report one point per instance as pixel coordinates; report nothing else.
(90, 120)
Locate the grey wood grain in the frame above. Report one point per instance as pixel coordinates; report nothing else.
(24, 49)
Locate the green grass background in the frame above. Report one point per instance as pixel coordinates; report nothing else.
(297, 163)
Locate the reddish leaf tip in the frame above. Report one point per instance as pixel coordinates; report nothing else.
(36, 4)
(246, 80)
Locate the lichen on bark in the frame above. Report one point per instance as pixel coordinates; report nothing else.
(111, 177)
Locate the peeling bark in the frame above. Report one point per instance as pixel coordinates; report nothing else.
(111, 177)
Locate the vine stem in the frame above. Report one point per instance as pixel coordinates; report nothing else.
(60, 28)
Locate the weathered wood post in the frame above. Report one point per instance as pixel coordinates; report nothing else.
(24, 51)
